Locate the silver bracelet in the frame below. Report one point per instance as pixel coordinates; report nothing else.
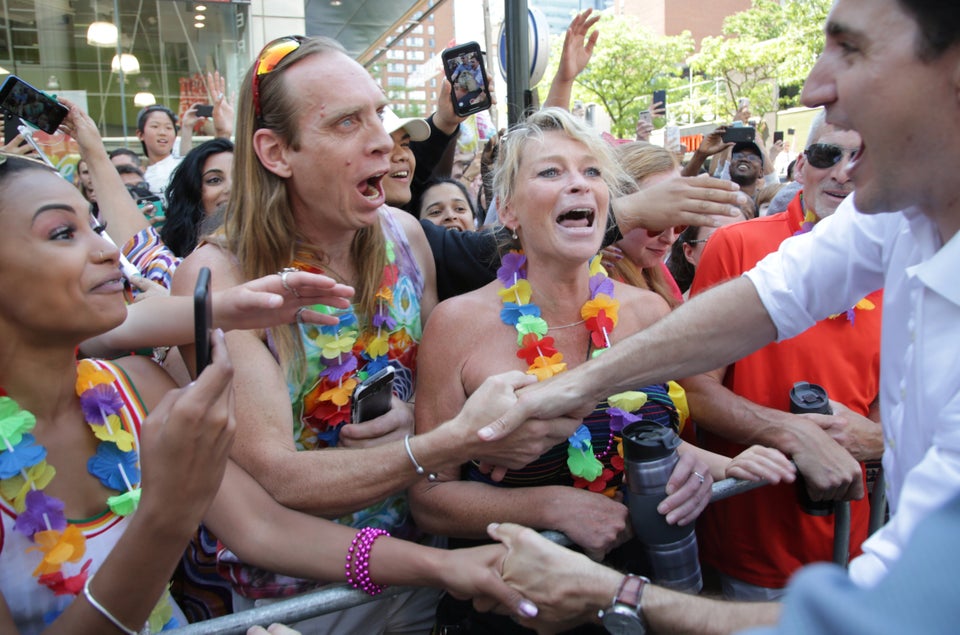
(431, 476)
(102, 611)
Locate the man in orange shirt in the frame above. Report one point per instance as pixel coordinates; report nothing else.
(757, 540)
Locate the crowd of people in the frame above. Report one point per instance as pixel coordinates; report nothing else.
(618, 288)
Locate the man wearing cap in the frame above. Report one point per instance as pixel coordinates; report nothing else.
(746, 167)
(757, 540)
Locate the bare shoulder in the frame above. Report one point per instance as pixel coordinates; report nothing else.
(406, 220)
(467, 311)
(639, 308)
(224, 269)
(150, 379)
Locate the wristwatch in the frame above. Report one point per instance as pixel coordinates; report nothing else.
(623, 616)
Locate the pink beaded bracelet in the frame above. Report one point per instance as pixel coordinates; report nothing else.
(358, 576)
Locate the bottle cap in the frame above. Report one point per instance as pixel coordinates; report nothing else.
(648, 441)
(807, 397)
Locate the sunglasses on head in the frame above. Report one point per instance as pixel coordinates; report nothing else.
(827, 155)
(271, 55)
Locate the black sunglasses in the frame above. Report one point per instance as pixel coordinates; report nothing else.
(827, 155)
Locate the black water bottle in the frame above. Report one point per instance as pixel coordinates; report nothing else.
(806, 397)
(650, 454)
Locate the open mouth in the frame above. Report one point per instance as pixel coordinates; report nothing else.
(371, 188)
(400, 174)
(581, 217)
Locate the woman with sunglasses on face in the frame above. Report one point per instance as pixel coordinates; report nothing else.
(106, 468)
(639, 256)
(311, 155)
(686, 251)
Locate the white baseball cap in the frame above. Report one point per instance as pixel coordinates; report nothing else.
(418, 129)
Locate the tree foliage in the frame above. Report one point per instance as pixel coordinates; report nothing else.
(771, 45)
(628, 64)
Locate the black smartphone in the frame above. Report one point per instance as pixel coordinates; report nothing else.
(11, 125)
(791, 131)
(463, 66)
(660, 96)
(777, 135)
(204, 110)
(739, 134)
(202, 318)
(22, 100)
(371, 398)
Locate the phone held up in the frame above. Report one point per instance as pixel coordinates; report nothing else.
(22, 100)
(202, 318)
(463, 66)
(371, 398)
(660, 97)
(739, 134)
(777, 135)
(204, 110)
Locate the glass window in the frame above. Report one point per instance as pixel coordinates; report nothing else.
(49, 49)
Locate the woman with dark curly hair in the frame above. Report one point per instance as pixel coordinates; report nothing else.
(198, 189)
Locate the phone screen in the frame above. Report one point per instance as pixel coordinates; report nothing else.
(777, 135)
(202, 317)
(22, 100)
(463, 66)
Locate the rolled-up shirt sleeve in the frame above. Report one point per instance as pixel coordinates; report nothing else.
(826, 271)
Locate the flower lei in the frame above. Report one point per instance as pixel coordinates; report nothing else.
(330, 398)
(24, 473)
(600, 315)
(809, 220)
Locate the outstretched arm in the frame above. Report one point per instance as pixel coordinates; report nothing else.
(263, 533)
(576, 53)
(714, 328)
(260, 303)
(688, 201)
(569, 588)
(117, 207)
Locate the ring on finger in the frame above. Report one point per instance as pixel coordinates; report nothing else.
(283, 273)
(220, 97)
(699, 476)
(299, 314)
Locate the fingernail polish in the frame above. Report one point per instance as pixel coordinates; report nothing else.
(528, 608)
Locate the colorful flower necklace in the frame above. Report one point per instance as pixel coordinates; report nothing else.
(600, 315)
(809, 220)
(346, 355)
(24, 473)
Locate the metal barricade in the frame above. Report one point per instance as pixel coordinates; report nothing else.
(341, 596)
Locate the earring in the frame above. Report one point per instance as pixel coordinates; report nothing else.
(514, 234)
